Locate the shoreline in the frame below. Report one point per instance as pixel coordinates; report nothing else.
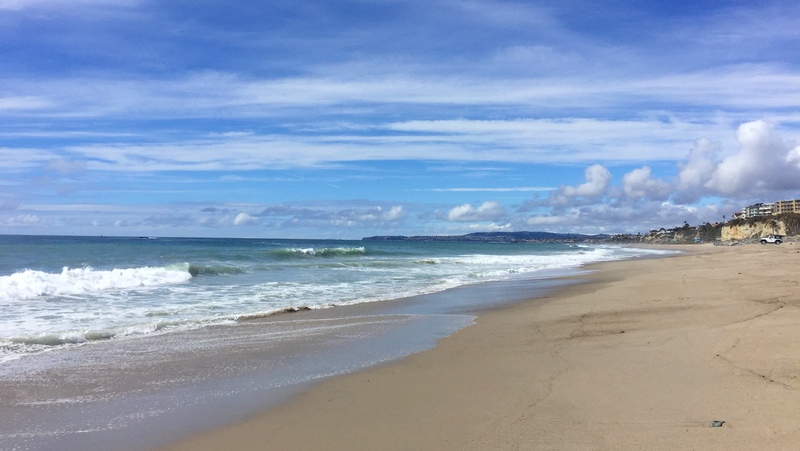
(142, 393)
(645, 354)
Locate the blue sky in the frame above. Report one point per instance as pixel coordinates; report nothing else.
(306, 119)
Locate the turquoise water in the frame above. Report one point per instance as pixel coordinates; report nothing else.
(59, 291)
(130, 343)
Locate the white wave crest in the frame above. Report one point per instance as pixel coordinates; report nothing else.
(29, 284)
(324, 252)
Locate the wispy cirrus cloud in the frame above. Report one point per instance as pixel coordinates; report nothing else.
(522, 189)
(174, 113)
(587, 140)
(23, 103)
(17, 5)
(211, 93)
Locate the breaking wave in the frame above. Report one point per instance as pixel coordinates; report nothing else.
(82, 336)
(30, 284)
(322, 252)
(213, 270)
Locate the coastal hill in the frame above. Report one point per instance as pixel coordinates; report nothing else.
(731, 232)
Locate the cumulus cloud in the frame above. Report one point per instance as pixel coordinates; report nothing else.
(488, 211)
(764, 163)
(612, 217)
(696, 171)
(22, 220)
(244, 219)
(597, 180)
(394, 213)
(638, 184)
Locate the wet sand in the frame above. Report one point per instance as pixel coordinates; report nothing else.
(132, 395)
(645, 355)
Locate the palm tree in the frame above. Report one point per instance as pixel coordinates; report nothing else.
(774, 224)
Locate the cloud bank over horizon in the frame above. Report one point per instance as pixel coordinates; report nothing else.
(312, 119)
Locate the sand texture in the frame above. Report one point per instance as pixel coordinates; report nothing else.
(645, 355)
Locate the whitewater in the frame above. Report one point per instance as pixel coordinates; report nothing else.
(59, 291)
(126, 343)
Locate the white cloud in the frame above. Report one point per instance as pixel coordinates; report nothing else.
(548, 220)
(23, 103)
(395, 213)
(498, 227)
(523, 141)
(794, 157)
(762, 164)
(17, 5)
(597, 180)
(244, 219)
(21, 220)
(588, 139)
(488, 211)
(696, 171)
(538, 58)
(334, 214)
(13, 159)
(492, 190)
(561, 96)
(638, 184)
(65, 166)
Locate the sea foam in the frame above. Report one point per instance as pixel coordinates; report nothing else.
(319, 252)
(234, 280)
(30, 284)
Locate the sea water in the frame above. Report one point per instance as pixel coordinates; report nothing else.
(107, 336)
(57, 291)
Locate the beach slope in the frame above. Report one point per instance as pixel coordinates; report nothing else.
(646, 354)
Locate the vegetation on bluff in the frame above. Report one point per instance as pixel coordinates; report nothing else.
(750, 229)
(790, 222)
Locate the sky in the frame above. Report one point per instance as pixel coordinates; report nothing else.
(353, 118)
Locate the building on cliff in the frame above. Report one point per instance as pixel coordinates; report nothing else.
(765, 209)
(787, 206)
(759, 209)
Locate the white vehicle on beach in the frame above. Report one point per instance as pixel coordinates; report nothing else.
(772, 239)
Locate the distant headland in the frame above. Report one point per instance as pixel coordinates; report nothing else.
(734, 231)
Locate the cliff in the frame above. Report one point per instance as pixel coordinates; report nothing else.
(751, 229)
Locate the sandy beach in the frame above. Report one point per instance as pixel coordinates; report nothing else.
(645, 354)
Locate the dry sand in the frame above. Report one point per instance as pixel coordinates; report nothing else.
(644, 356)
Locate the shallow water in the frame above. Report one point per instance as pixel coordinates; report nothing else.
(137, 391)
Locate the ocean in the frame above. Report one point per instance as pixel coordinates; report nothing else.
(104, 337)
